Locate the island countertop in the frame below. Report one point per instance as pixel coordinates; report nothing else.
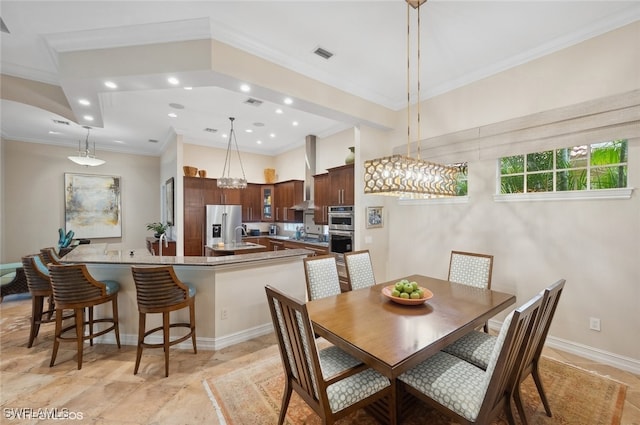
(113, 254)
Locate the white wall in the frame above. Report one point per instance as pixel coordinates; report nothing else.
(33, 191)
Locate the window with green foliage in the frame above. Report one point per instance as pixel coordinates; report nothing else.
(461, 179)
(586, 167)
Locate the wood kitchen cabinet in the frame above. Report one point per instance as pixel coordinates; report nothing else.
(341, 190)
(287, 194)
(251, 201)
(213, 195)
(321, 198)
(194, 216)
(153, 246)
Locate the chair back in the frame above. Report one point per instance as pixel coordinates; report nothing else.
(50, 256)
(158, 287)
(73, 284)
(37, 274)
(550, 298)
(321, 274)
(359, 269)
(298, 348)
(471, 269)
(506, 359)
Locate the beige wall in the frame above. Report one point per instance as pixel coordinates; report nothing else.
(33, 194)
(591, 243)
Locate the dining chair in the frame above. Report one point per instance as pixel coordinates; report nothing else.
(471, 269)
(158, 290)
(464, 391)
(330, 381)
(75, 289)
(359, 269)
(476, 347)
(321, 274)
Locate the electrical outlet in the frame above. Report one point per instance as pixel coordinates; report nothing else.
(594, 324)
(224, 314)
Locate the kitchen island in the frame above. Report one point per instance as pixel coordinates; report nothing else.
(231, 304)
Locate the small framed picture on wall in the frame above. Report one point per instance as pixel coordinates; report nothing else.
(374, 217)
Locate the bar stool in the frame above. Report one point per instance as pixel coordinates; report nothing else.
(75, 289)
(158, 290)
(39, 286)
(50, 256)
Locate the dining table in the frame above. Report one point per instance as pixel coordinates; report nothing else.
(391, 337)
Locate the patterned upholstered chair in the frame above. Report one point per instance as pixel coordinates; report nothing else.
(75, 289)
(476, 347)
(321, 273)
(471, 269)
(359, 269)
(466, 392)
(330, 381)
(158, 290)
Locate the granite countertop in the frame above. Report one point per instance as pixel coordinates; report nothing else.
(236, 246)
(310, 241)
(115, 254)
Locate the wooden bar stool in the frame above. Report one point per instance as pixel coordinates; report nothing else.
(158, 290)
(75, 289)
(40, 289)
(49, 255)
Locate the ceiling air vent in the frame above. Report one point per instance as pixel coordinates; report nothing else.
(153, 141)
(59, 122)
(323, 53)
(253, 102)
(210, 130)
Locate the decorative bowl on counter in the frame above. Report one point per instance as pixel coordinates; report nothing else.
(190, 171)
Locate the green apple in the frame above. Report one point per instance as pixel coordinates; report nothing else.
(395, 293)
(415, 295)
(404, 295)
(408, 288)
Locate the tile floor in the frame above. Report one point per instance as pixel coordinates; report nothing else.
(105, 391)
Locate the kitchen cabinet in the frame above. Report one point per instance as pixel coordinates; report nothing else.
(321, 198)
(251, 201)
(317, 250)
(213, 195)
(266, 202)
(287, 194)
(341, 190)
(276, 245)
(194, 216)
(154, 248)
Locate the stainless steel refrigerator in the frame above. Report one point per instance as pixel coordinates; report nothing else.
(223, 224)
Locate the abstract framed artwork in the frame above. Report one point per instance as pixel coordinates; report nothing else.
(92, 205)
(374, 217)
(169, 201)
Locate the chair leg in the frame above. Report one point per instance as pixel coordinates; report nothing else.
(486, 327)
(114, 305)
(192, 322)
(507, 407)
(56, 337)
(52, 307)
(80, 332)
(90, 325)
(536, 378)
(165, 332)
(37, 303)
(285, 402)
(141, 329)
(517, 398)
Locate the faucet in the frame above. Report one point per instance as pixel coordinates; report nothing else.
(243, 231)
(166, 242)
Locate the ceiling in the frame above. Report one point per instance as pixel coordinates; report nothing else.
(461, 42)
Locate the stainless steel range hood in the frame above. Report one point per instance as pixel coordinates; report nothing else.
(309, 171)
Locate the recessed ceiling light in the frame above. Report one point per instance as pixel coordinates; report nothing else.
(54, 132)
(259, 142)
(188, 88)
(295, 123)
(272, 135)
(278, 111)
(288, 101)
(84, 102)
(173, 80)
(88, 117)
(173, 114)
(245, 88)
(119, 141)
(111, 84)
(248, 130)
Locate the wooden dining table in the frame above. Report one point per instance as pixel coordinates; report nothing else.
(391, 337)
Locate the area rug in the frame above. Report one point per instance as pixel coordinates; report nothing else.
(249, 390)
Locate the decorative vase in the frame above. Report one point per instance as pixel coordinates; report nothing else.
(157, 235)
(351, 156)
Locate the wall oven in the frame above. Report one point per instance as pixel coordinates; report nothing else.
(341, 229)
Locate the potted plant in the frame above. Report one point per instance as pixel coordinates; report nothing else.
(158, 228)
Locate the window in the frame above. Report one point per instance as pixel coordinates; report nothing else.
(586, 167)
